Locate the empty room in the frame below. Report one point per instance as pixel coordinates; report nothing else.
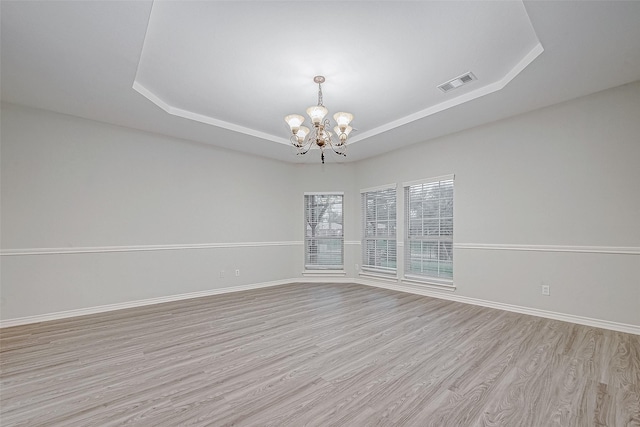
(265, 213)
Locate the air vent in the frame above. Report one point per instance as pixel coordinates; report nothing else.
(457, 82)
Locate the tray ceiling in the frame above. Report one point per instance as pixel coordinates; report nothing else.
(383, 61)
(228, 72)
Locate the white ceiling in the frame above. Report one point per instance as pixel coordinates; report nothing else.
(226, 73)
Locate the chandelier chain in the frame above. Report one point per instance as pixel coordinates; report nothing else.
(320, 102)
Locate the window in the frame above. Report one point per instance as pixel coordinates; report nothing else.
(323, 239)
(429, 230)
(379, 230)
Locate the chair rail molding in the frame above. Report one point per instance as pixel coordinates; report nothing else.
(622, 250)
(142, 248)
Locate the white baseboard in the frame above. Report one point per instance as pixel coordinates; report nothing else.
(139, 303)
(587, 321)
(323, 279)
(402, 287)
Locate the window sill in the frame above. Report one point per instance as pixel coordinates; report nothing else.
(427, 283)
(379, 276)
(324, 273)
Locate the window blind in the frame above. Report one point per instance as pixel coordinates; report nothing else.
(429, 229)
(379, 230)
(324, 238)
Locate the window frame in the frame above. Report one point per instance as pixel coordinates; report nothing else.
(441, 240)
(391, 224)
(308, 266)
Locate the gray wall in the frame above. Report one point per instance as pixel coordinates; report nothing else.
(73, 183)
(563, 177)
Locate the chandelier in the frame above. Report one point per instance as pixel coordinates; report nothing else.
(304, 139)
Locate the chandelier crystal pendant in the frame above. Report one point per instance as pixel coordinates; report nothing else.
(304, 139)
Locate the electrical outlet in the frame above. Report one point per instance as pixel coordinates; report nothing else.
(546, 290)
(222, 274)
(237, 272)
(357, 268)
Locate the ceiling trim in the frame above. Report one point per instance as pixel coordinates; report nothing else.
(469, 96)
(186, 114)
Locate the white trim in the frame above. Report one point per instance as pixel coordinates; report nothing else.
(401, 287)
(186, 114)
(624, 250)
(321, 279)
(428, 282)
(580, 320)
(324, 273)
(428, 180)
(324, 193)
(379, 188)
(461, 99)
(379, 276)
(352, 242)
(138, 248)
(386, 271)
(433, 109)
(131, 304)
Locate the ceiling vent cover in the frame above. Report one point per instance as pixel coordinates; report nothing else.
(457, 82)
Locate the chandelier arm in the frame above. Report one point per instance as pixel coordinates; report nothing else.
(335, 145)
(293, 139)
(308, 143)
(339, 151)
(301, 153)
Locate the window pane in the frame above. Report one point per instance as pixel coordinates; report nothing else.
(415, 227)
(446, 208)
(324, 244)
(446, 227)
(430, 208)
(379, 230)
(431, 227)
(429, 232)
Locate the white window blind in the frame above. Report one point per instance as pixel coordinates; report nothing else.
(379, 230)
(324, 238)
(429, 230)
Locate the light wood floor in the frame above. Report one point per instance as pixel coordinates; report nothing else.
(317, 354)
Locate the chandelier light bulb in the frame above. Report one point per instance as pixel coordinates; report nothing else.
(302, 134)
(294, 121)
(317, 113)
(343, 133)
(343, 119)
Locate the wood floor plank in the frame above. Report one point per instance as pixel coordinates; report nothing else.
(317, 355)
